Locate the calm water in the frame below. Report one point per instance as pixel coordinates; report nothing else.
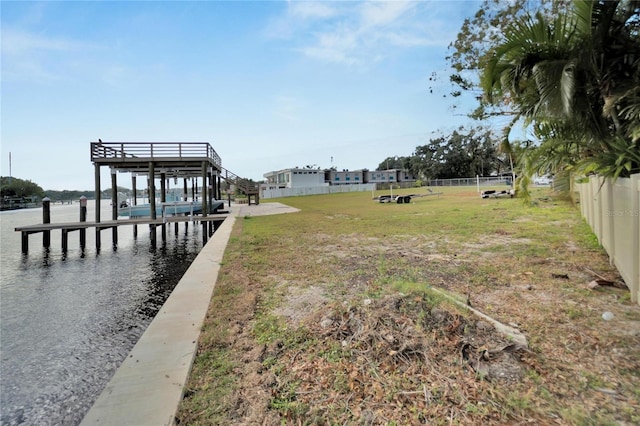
(68, 321)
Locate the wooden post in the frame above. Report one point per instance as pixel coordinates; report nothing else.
(204, 190)
(114, 206)
(46, 218)
(219, 196)
(83, 218)
(65, 243)
(97, 195)
(163, 187)
(185, 194)
(213, 176)
(114, 194)
(210, 187)
(204, 232)
(152, 190)
(153, 237)
(152, 201)
(134, 201)
(163, 199)
(25, 242)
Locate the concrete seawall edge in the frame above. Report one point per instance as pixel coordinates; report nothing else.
(148, 386)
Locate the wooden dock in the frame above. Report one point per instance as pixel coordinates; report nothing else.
(209, 225)
(154, 160)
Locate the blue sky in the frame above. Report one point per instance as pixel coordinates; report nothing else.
(269, 84)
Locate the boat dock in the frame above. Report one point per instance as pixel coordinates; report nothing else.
(209, 225)
(194, 162)
(159, 160)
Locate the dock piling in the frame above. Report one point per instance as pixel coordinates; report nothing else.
(83, 218)
(114, 206)
(97, 192)
(65, 243)
(205, 233)
(153, 236)
(25, 243)
(46, 218)
(209, 226)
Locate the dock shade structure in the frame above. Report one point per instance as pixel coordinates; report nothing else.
(158, 160)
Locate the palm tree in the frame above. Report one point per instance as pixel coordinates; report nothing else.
(576, 80)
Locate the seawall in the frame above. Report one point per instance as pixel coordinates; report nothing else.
(148, 386)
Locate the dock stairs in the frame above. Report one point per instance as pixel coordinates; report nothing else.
(246, 186)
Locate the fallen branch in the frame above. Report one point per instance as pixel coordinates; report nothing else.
(510, 332)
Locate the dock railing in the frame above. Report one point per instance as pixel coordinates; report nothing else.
(153, 150)
(245, 185)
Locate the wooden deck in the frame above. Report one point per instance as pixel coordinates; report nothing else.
(163, 160)
(209, 223)
(175, 159)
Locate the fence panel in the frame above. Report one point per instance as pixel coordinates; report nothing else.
(315, 190)
(472, 181)
(612, 209)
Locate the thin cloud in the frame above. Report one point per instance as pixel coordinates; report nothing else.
(311, 10)
(337, 45)
(18, 42)
(298, 17)
(375, 14)
(360, 33)
(29, 55)
(287, 107)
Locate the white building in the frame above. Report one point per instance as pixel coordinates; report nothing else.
(382, 176)
(307, 181)
(388, 176)
(346, 177)
(294, 178)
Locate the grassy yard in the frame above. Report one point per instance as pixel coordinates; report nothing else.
(330, 316)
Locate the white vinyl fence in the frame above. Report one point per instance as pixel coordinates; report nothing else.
(472, 181)
(612, 209)
(315, 190)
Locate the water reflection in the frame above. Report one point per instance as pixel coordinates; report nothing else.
(69, 319)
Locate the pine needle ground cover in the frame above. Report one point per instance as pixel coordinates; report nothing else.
(336, 315)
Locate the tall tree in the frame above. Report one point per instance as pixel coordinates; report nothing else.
(477, 38)
(14, 187)
(394, 162)
(576, 79)
(464, 153)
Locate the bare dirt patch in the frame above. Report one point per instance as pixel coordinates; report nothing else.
(351, 345)
(300, 302)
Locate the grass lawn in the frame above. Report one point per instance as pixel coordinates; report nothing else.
(335, 315)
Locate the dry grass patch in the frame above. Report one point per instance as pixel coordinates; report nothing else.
(326, 317)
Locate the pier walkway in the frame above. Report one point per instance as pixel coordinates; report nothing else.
(211, 221)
